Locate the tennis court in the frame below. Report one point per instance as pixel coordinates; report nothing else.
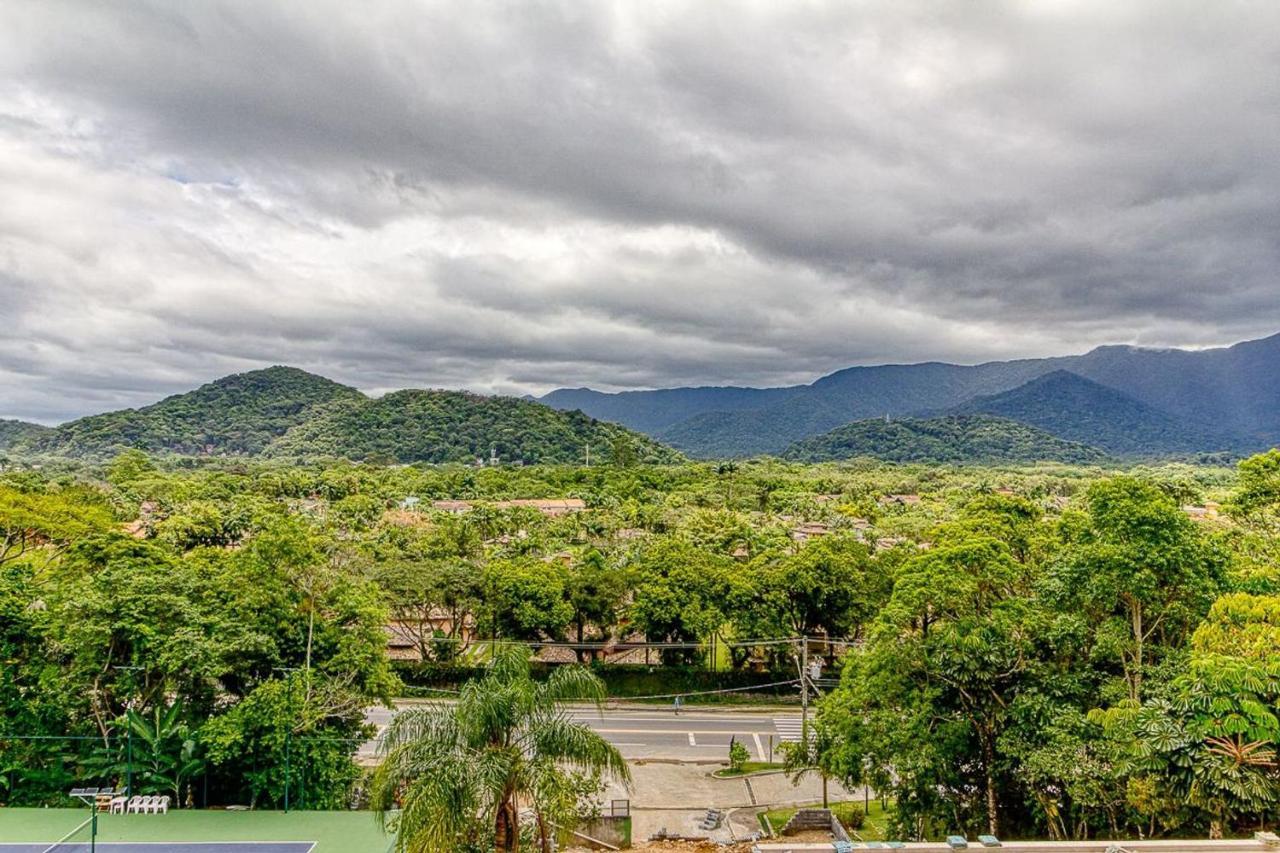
(167, 847)
(191, 831)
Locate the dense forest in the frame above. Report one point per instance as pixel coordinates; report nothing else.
(1180, 401)
(452, 426)
(239, 414)
(289, 413)
(962, 438)
(19, 433)
(1044, 651)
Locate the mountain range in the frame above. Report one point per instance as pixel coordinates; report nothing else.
(288, 413)
(1127, 401)
(1113, 402)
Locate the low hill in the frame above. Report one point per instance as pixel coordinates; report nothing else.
(953, 439)
(454, 426)
(1078, 409)
(238, 414)
(20, 432)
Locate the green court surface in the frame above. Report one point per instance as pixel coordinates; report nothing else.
(332, 832)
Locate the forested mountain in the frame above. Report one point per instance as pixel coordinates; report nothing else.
(19, 432)
(1224, 398)
(238, 414)
(957, 438)
(454, 426)
(1078, 409)
(287, 412)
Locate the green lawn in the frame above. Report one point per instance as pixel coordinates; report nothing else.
(874, 828)
(333, 832)
(747, 769)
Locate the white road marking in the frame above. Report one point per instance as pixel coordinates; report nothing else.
(759, 746)
(789, 729)
(692, 740)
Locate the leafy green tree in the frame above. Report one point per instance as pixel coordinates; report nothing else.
(831, 586)
(948, 657)
(524, 599)
(682, 594)
(423, 594)
(1139, 570)
(595, 589)
(43, 525)
(454, 776)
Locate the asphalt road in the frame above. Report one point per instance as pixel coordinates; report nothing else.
(692, 735)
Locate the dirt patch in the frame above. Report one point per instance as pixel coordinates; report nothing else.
(694, 847)
(810, 836)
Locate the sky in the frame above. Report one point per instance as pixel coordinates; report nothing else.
(512, 197)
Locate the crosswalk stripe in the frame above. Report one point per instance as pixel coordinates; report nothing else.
(789, 729)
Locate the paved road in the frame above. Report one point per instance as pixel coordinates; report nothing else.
(692, 735)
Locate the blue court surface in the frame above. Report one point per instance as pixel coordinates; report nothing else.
(164, 847)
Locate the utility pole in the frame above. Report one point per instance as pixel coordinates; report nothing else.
(804, 691)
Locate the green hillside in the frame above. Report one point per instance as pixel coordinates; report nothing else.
(1069, 406)
(20, 432)
(239, 414)
(963, 438)
(454, 426)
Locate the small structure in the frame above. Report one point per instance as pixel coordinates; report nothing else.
(1206, 512)
(899, 500)
(546, 506)
(810, 530)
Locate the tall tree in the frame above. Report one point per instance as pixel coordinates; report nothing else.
(1140, 571)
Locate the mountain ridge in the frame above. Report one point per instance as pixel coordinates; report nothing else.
(1074, 408)
(1228, 395)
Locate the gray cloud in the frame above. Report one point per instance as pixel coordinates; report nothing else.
(515, 196)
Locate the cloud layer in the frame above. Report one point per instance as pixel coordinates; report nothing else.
(519, 196)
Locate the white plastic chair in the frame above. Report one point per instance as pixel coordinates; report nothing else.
(152, 804)
(135, 805)
(162, 805)
(117, 805)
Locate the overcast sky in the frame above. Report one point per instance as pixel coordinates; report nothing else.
(517, 196)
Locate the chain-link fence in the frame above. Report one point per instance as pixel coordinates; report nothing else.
(294, 772)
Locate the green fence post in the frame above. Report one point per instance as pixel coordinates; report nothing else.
(288, 736)
(128, 761)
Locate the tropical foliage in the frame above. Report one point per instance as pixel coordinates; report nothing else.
(456, 775)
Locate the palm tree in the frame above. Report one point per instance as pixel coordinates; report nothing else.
(459, 771)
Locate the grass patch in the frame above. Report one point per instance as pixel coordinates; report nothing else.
(747, 769)
(875, 825)
(333, 832)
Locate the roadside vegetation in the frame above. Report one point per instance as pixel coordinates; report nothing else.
(1050, 651)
